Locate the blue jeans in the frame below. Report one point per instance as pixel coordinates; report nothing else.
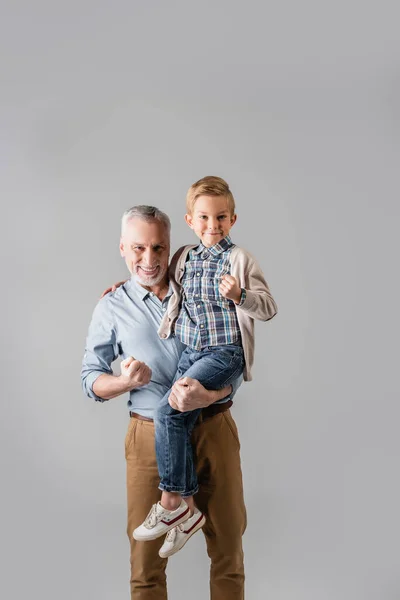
(214, 367)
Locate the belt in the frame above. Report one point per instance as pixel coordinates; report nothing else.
(206, 413)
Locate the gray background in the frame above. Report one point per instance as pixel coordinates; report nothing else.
(296, 104)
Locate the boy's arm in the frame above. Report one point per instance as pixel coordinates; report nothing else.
(256, 300)
(247, 287)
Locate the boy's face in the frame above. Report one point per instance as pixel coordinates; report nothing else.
(211, 219)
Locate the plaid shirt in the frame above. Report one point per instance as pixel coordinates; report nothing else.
(207, 318)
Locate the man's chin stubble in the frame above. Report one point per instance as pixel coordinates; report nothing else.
(149, 282)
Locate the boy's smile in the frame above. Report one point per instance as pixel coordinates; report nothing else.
(211, 219)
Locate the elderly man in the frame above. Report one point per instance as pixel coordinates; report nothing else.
(125, 323)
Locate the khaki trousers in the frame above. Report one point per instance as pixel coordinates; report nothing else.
(220, 498)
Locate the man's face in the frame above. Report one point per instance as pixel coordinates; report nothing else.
(211, 219)
(145, 246)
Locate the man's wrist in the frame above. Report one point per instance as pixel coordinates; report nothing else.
(126, 385)
(216, 395)
(109, 386)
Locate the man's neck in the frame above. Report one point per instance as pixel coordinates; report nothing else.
(160, 290)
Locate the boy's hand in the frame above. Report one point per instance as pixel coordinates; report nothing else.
(229, 288)
(113, 288)
(135, 372)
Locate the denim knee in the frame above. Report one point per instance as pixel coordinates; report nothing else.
(163, 409)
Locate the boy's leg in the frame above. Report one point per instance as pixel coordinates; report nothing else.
(173, 449)
(172, 440)
(220, 498)
(214, 368)
(148, 579)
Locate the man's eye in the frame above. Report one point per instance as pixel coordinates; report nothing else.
(138, 247)
(157, 248)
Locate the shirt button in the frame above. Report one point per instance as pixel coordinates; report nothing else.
(198, 306)
(202, 326)
(196, 295)
(198, 274)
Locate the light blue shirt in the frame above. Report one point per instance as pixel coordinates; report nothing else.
(125, 323)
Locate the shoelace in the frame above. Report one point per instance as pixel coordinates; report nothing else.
(152, 518)
(171, 535)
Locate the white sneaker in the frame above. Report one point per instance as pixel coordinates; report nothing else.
(160, 520)
(179, 535)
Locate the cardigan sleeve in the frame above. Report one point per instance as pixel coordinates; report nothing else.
(258, 303)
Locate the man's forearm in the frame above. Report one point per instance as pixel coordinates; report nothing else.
(111, 386)
(188, 394)
(215, 395)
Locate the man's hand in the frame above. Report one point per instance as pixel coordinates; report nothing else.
(135, 373)
(229, 288)
(188, 394)
(113, 288)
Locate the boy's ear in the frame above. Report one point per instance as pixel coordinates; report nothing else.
(233, 220)
(189, 220)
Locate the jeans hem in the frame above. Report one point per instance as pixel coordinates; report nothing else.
(187, 494)
(174, 490)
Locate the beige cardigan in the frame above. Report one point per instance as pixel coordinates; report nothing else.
(258, 304)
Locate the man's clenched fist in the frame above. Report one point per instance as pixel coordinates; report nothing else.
(135, 372)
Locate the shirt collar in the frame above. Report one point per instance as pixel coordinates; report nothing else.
(136, 288)
(217, 249)
(141, 292)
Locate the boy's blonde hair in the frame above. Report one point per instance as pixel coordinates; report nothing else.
(209, 186)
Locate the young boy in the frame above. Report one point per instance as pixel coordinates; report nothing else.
(219, 290)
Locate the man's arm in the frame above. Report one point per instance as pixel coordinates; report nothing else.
(134, 374)
(188, 394)
(98, 379)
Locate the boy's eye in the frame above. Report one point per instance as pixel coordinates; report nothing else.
(203, 217)
(221, 217)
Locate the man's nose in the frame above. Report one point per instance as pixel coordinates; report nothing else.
(149, 257)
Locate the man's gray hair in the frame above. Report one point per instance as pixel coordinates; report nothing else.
(146, 213)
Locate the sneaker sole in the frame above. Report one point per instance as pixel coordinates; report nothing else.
(155, 536)
(185, 540)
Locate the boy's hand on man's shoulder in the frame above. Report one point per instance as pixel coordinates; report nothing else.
(113, 288)
(229, 288)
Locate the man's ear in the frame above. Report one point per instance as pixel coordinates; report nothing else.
(122, 248)
(233, 220)
(189, 220)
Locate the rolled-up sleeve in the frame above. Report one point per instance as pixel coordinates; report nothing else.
(101, 347)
